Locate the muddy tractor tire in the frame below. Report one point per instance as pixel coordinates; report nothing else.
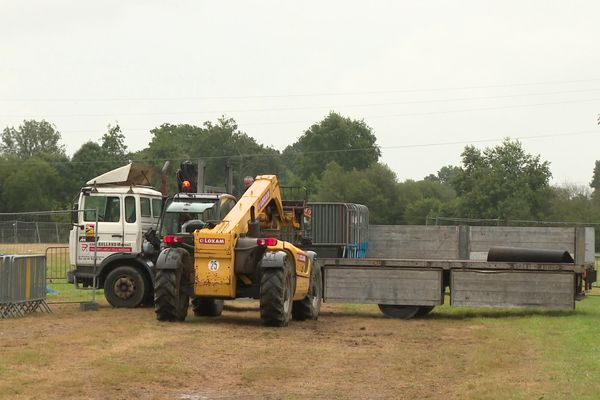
(309, 307)
(206, 307)
(276, 294)
(126, 287)
(171, 301)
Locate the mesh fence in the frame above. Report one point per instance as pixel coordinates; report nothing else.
(504, 222)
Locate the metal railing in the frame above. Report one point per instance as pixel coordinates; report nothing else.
(46, 233)
(22, 285)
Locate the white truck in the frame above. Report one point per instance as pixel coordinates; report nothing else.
(127, 208)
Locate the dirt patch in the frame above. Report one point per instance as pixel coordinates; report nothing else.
(350, 352)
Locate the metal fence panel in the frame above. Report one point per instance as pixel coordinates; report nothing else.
(57, 262)
(4, 279)
(343, 225)
(22, 285)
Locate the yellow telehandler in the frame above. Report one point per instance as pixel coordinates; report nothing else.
(215, 249)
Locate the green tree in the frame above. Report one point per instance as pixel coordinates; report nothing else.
(31, 187)
(444, 175)
(416, 213)
(89, 161)
(33, 159)
(419, 199)
(217, 144)
(113, 142)
(502, 182)
(350, 143)
(375, 187)
(31, 138)
(595, 183)
(573, 203)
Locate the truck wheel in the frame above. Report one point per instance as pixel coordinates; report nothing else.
(125, 286)
(206, 307)
(309, 307)
(170, 302)
(276, 294)
(401, 312)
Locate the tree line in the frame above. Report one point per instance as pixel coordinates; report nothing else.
(336, 159)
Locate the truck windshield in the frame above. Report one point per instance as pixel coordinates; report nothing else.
(177, 213)
(108, 207)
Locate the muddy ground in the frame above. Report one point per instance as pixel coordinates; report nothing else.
(351, 352)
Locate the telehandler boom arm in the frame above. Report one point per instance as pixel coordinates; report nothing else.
(264, 196)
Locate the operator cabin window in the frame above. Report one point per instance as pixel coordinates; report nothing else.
(226, 206)
(130, 209)
(109, 208)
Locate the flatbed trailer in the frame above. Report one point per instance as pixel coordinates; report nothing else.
(409, 288)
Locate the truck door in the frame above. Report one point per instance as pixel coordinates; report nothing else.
(132, 232)
(109, 229)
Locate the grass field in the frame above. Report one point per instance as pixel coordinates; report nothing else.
(350, 352)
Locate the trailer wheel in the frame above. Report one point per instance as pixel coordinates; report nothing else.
(397, 311)
(310, 306)
(170, 301)
(424, 310)
(125, 286)
(276, 294)
(206, 307)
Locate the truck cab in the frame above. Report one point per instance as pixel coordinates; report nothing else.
(114, 210)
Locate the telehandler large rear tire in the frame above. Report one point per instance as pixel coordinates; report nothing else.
(310, 306)
(206, 307)
(170, 301)
(276, 294)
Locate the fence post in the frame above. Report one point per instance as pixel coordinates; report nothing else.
(464, 245)
(37, 231)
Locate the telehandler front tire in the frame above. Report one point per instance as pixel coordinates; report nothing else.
(276, 294)
(310, 306)
(170, 302)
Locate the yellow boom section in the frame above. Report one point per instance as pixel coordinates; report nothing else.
(214, 248)
(264, 191)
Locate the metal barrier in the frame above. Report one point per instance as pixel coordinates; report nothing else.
(340, 229)
(22, 285)
(57, 262)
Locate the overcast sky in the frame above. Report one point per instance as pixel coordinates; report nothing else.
(428, 76)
